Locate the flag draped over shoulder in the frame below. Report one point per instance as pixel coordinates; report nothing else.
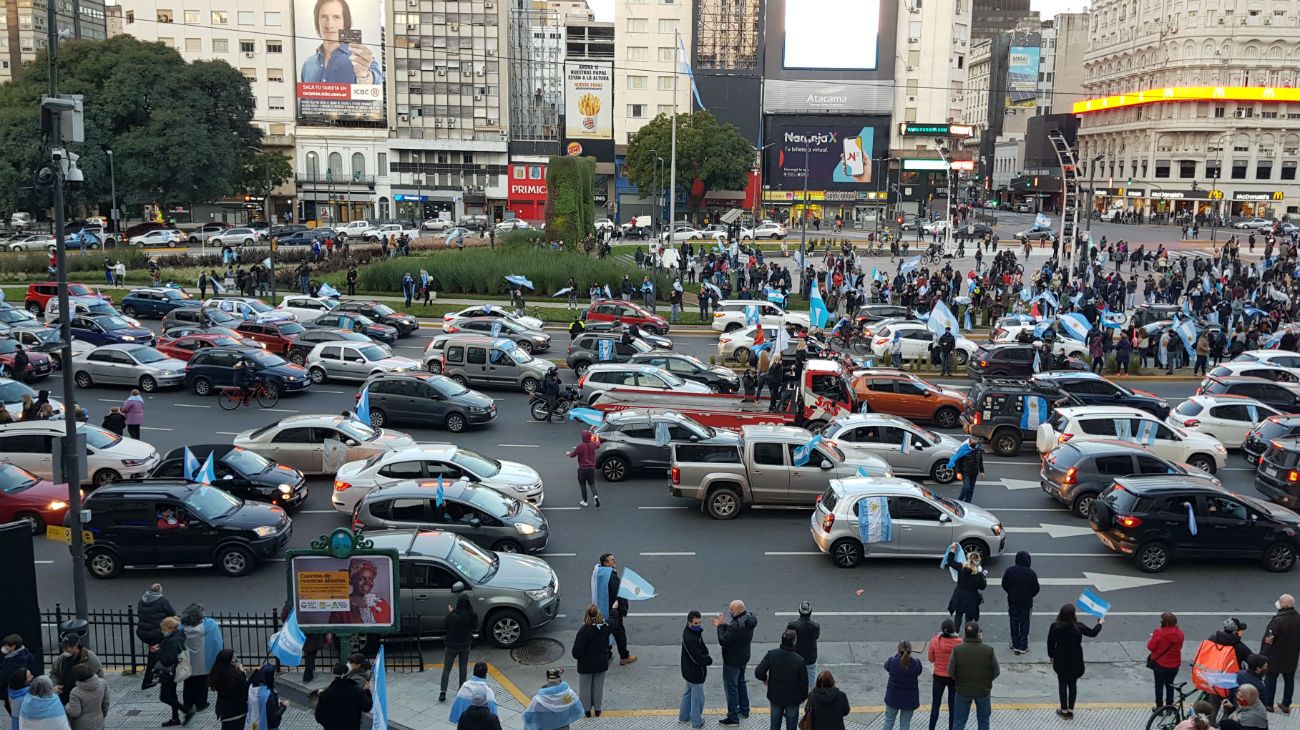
(553, 707)
(600, 579)
(42, 713)
(465, 697)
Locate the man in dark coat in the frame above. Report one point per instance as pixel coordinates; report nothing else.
(1230, 635)
(973, 666)
(20, 364)
(786, 675)
(695, 669)
(341, 704)
(1021, 584)
(150, 610)
(947, 343)
(807, 632)
(617, 610)
(16, 657)
(735, 637)
(970, 467)
(1282, 647)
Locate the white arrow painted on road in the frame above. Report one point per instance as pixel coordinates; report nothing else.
(1012, 484)
(1104, 581)
(1053, 531)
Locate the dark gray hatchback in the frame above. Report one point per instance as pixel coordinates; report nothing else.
(425, 398)
(1075, 472)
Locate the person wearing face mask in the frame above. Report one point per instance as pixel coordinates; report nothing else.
(1247, 713)
(340, 705)
(16, 656)
(71, 654)
(1281, 645)
(695, 669)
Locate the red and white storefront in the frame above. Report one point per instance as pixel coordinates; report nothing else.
(526, 196)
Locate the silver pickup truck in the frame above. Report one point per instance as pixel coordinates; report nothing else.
(756, 467)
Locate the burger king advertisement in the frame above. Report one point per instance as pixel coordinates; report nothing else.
(589, 110)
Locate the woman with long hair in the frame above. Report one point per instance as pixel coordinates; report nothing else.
(591, 649)
(265, 709)
(228, 681)
(171, 654)
(972, 579)
(828, 705)
(1165, 656)
(939, 652)
(461, 622)
(902, 695)
(1065, 648)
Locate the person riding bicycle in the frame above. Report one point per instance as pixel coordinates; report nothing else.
(246, 377)
(843, 328)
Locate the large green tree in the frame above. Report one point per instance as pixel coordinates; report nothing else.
(261, 172)
(716, 155)
(177, 130)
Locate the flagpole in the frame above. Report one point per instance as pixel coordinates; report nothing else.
(672, 166)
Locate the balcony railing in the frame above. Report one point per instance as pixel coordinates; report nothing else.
(339, 179)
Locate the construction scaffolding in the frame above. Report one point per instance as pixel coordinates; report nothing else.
(536, 43)
(727, 34)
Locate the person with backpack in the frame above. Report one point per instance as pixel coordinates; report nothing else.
(1223, 653)
(1165, 655)
(1065, 648)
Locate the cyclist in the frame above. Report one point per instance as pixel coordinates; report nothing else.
(843, 329)
(246, 377)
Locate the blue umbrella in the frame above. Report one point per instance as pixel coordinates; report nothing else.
(519, 281)
(561, 292)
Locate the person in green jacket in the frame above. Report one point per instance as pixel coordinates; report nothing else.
(973, 666)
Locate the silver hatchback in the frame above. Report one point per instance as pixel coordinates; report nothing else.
(923, 523)
(481, 514)
(911, 451)
(124, 364)
(353, 361)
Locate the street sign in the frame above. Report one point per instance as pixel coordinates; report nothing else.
(58, 533)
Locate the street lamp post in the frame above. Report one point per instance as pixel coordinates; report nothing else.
(112, 182)
(758, 187)
(1092, 190)
(1214, 187)
(803, 223)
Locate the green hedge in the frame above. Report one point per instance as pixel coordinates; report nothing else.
(570, 204)
(480, 271)
(29, 265)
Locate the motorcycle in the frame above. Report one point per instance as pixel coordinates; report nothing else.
(563, 402)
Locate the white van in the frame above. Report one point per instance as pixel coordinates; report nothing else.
(1112, 213)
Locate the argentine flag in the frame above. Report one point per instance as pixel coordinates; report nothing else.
(1186, 330)
(958, 558)
(363, 406)
(191, 466)
(286, 644)
(207, 473)
(803, 453)
(1075, 326)
(326, 290)
(751, 314)
(874, 522)
(589, 416)
(1034, 412)
(662, 434)
(379, 708)
(941, 317)
(42, 713)
(909, 264)
(1091, 603)
(817, 311)
(635, 588)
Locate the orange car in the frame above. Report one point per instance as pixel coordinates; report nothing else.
(896, 392)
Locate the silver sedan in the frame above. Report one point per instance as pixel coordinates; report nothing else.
(908, 449)
(123, 364)
(321, 444)
(353, 361)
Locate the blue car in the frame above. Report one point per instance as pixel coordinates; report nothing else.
(213, 368)
(155, 302)
(109, 329)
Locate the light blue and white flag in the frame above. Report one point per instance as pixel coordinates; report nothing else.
(751, 314)
(1186, 331)
(803, 453)
(635, 588)
(958, 558)
(1075, 326)
(1050, 297)
(439, 495)
(216, 286)
(1146, 432)
(363, 406)
(605, 350)
(864, 471)
(941, 318)
(1191, 518)
(589, 416)
(1042, 221)
(1123, 430)
(563, 291)
(1043, 326)
(966, 325)
(1224, 680)
(875, 274)
(775, 295)
(608, 293)
(465, 698)
(874, 522)
(286, 644)
(962, 450)
(906, 446)
(553, 707)
(207, 473)
(712, 287)
(326, 290)
(817, 311)
(662, 435)
(191, 465)
(41, 713)
(1092, 604)
(379, 692)
(684, 67)
(518, 280)
(909, 264)
(1034, 411)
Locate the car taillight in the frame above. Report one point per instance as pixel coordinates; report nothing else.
(357, 524)
(1200, 390)
(1128, 521)
(882, 340)
(976, 420)
(1071, 475)
(827, 522)
(1192, 422)
(984, 363)
(1293, 476)
(340, 485)
(1063, 437)
(676, 474)
(451, 328)
(582, 382)
(570, 348)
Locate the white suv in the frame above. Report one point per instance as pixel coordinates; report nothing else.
(234, 237)
(1089, 423)
(353, 228)
(426, 463)
(730, 315)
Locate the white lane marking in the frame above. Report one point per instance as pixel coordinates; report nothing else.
(319, 512)
(1226, 468)
(528, 446)
(280, 410)
(341, 392)
(189, 405)
(793, 552)
(645, 507)
(558, 555)
(1015, 463)
(154, 428)
(1054, 531)
(1004, 613)
(667, 555)
(1025, 509)
(226, 433)
(410, 347)
(43, 562)
(552, 509)
(119, 400)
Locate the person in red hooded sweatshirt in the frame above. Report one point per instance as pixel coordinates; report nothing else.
(585, 452)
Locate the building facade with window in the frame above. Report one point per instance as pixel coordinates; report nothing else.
(1192, 107)
(23, 28)
(645, 48)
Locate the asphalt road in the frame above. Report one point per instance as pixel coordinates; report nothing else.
(765, 557)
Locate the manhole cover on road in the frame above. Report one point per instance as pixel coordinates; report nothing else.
(537, 651)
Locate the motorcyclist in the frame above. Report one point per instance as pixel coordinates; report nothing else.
(551, 390)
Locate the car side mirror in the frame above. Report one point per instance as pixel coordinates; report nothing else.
(459, 587)
(926, 394)
(825, 465)
(945, 517)
(475, 522)
(919, 445)
(350, 442)
(228, 477)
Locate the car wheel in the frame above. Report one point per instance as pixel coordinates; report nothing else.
(105, 476)
(148, 384)
(33, 307)
(317, 375)
(1202, 462)
(434, 366)
(846, 553)
(816, 426)
(714, 388)
(377, 418)
(614, 469)
(526, 346)
(234, 561)
(128, 310)
(103, 564)
(460, 380)
(732, 327)
(1279, 557)
(742, 355)
(248, 242)
(723, 503)
(942, 473)
(974, 546)
(455, 423)
(947, 418)
(961, 357)
(1082, 504)
(506, 628)
(202, 386)
(33, 520)
(529, 385)
(83, 380)
(1006, 442)
(171, 244)
(580, 367)
(298, 358)
(1152, 557)
(507, 546)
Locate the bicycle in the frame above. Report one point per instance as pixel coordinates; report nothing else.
(232, 397)
(1168, 716)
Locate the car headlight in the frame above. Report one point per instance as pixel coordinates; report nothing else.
(264, 531)
(286, 489)
(477, 409)
(541, 594)
(128, 338)
(521, 488)
(1220, 448)
(291, 378)
(997, 528)
(524, 529)
(134, 462)
(57, 505)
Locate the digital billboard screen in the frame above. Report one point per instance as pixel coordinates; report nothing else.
(832, 34)
(1022, 77)
(340, 45)
(588, 100)
(841, 153)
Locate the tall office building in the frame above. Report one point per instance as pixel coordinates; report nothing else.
(726, 58)
(536, 77)
(23, 28)
(998, 16)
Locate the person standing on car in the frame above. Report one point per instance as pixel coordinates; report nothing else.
(695, 669)
(1021, 585)
(585, 453)
(785, 674)
(946, 345)
(735, 637)
(1281, 645)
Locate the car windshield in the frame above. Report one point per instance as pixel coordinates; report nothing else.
(481, 465)
(80, 290)
(291, 328)
(383, 310)
(521, 355)
(46, 335)
(246, 462)
(944, 503)
(493, 502)
(447, 387)
(173, 294)
(13, 315)
(13, 392)
(8, 347)
(146, 355)
(210, 503)
(98, 438)
(14, 480)
(111, 323)
(259, 306)
(101, 308)
(363, 319)
(358, 430)
(472, 561)
(266, 359)
(830, 448)
(371, 352)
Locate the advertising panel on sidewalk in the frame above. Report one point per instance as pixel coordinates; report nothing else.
(340, 45)
(833, 153)
(356, 591)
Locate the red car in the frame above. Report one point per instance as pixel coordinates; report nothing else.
(183, 348)
(607, 310)
(26, 497)
(39, 365)
(277, 335)
(38, 295)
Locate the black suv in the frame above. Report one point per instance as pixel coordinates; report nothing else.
(999, 412)
(168, 522)
(404, 323)
(1147, 517)
(242, 473)
(876, 312)
(1278, 474)
(1075, 472)
(1090, 389)
(1013, 360)
(1259, 438)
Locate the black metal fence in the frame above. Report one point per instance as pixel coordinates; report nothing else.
(112, 637)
